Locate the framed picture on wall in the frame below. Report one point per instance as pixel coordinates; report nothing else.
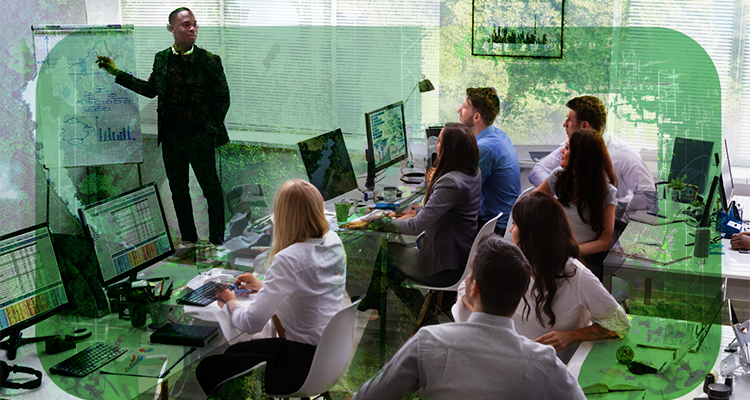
(517, 28)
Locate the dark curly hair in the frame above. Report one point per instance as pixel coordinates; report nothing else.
(589, 109)
(585, 181)
(546, 249)
(459, 153)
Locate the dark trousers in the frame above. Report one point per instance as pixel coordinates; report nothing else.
(287, 364)
(199, 153)
(402, 264)
(595, 262)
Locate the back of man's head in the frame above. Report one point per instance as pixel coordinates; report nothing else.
(590, 109)
(485, 101)
(502, 274)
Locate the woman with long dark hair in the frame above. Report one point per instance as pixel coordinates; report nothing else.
(448, 220)
(563, 297)
(586, 186)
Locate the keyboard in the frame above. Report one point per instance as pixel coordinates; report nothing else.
(204, 295)
(89, 360)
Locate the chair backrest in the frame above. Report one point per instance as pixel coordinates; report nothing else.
(487, 229)
(509, 236)
(251, 385)
(332, 355)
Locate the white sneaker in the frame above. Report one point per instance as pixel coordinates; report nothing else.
(184, 251)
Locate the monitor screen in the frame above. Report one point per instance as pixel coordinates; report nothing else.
(327, 164)
(692, 159)
(30, 278)
(727, 184)
(386, 135)
(708, 208)
(129, 231)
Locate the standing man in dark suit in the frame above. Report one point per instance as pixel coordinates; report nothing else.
(193, 101)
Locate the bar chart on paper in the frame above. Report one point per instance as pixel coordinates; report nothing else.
(83, 117)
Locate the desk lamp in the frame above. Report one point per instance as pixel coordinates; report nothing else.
(424, 86)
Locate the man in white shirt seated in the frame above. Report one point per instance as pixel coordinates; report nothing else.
(635, 184)
(483, 358)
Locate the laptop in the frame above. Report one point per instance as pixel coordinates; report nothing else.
(685, 335)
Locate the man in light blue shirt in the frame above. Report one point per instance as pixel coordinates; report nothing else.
(498, 161)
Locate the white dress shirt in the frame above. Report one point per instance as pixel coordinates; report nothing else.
(304, 287)
(483, 358)
(579, 301)
(633, 175)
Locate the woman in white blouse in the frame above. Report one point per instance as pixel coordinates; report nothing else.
(586, 186)
(304, 287)
(565, 303)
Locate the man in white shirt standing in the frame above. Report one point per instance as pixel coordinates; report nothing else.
(483, 358)
(633, 176)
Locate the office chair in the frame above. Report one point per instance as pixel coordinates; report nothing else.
(331, 359)
(509, 236)
(434, 297)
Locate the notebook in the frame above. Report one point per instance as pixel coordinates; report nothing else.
(662, 213)
(185, 335)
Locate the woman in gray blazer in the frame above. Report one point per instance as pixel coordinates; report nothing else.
(448, 219)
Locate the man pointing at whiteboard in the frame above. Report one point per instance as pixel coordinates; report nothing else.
(193, 101)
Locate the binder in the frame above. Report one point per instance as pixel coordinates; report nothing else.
(185, 335)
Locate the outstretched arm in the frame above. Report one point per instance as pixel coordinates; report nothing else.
(108, 65)
(543, 168)
(561, 340)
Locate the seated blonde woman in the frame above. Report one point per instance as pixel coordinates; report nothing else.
(304, 287)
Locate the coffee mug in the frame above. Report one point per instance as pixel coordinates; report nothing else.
(389, 193)
(344, 209)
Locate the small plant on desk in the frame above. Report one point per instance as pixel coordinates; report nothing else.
(675, 188)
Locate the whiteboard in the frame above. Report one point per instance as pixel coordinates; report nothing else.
(83, 117)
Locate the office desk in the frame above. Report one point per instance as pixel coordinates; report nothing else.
(108, 329)
(741, 383)
(675, 282)
(735, 265)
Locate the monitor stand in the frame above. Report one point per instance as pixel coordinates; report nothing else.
(15, 341)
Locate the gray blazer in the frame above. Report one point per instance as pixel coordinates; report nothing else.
(449, 222)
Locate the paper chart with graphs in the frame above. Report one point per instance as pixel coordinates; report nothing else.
(83, 117)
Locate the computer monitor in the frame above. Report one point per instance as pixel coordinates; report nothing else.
(386, 138)
(692, 159)
(129, 231)
(327, 164)
(709, 206)
(727, 183)
(33, 288)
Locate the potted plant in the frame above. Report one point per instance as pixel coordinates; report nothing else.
(675, 189)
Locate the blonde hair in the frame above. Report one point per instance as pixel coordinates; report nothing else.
(297, 215)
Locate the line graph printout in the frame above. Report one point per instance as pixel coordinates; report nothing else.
(83, 116)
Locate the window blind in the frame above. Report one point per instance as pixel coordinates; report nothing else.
(305, 66)
(711, 23)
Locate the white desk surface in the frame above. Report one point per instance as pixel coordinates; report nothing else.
(28, 356)
(734, 265)
(741, 383)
